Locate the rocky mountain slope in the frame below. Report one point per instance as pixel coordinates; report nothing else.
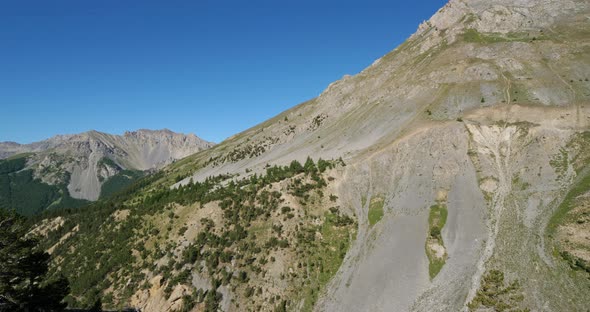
(85, 162)
(464, 170)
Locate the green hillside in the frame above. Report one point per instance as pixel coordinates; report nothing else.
(20, 191)
(119, 181)
(283, 216)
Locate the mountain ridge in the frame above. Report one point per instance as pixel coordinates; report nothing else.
(337, 99)
(85, 161)
(58, 138)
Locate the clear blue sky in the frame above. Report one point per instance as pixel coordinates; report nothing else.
(213, 68)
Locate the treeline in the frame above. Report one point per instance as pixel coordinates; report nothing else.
(209, 190)
(99, 256)
(233, 246)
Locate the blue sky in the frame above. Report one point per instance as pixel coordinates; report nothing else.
(213, 68)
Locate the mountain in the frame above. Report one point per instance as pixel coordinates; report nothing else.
(450, 175)
(84, 166)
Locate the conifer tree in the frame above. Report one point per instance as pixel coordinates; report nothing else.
(23, 270)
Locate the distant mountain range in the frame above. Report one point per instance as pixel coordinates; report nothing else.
(84, 166)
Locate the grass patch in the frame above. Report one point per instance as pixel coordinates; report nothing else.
(565, 215)
(495, 295)
(581, 187)
(376, 210)
(435, 265)
(469, 18)
(329, 254)
(436, 221)
(579, 145)
(473, 36)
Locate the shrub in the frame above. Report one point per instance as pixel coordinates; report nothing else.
(249, 292)
(435, 232)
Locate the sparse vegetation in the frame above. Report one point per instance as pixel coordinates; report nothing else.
(568, 203)
(435, 250)
(244, 150)
(494, 294)
(579, 148)
(572, 213)
(256, 228)
(560, 163)
(108, 163)
(317, 121)
(325, 255)
(375, 210)
(474, 36)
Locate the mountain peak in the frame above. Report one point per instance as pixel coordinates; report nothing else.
(499, 16)
(82, 154)
(152, 131)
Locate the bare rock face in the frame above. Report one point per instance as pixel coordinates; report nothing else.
(159, 148)
(85, 161)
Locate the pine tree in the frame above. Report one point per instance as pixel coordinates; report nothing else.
(309, 165)
(97, 306)
(296, 167)
(23, 270)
